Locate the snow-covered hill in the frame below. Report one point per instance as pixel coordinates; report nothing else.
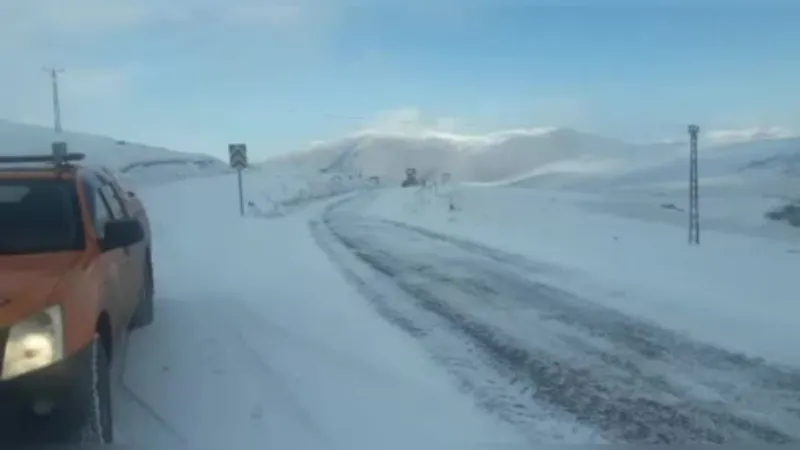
(491, 157)
(740, 182)
(553, 158)
(767, 167)
(137, 161)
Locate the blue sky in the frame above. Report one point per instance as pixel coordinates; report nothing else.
(201, 73)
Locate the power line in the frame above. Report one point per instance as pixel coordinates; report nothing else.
(54, 72)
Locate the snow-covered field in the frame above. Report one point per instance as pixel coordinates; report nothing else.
(558, 305)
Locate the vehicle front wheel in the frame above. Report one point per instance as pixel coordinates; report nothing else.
(92, 408)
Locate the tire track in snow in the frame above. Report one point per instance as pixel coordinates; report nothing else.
(494, 388)
(650, 340)
(648, 409)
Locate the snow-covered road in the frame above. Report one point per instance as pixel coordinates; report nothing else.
(259, 342)
(335, 328)
(533, 352)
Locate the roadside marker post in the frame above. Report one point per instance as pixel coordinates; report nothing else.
(238, 161)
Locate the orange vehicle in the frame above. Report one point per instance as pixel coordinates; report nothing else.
(75, 275)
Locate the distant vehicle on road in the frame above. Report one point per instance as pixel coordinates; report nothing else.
(411, 178)
(75, 275)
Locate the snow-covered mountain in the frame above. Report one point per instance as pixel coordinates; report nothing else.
(135, 160)
(556, 158)
(766, 168)
(490, 157)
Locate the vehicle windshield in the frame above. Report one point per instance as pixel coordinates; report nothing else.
(39, 216)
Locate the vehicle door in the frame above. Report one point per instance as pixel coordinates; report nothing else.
(132, 257)
(112, 264)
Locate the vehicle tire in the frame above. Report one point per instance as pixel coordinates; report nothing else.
(93, 415)
(143, 315)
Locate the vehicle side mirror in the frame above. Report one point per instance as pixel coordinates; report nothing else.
(121, 233)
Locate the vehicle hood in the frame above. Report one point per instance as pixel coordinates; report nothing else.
(27, 282)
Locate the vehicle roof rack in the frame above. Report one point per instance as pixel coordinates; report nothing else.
(42, 159)
(59, 157)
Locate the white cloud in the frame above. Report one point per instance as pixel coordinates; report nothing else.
(447, 124)
(98, 98)
(23, 22)
(98, 82)
(30, 19)
(731, 136)
(64, 33)
(402, 120)
(410, 121)
(270, 13)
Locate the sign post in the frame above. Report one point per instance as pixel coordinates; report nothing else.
(238, 161)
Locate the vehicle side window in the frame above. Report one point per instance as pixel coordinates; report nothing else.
(120, 195)
(102, 213)
(113, 201)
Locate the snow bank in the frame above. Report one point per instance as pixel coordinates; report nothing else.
(734, 291)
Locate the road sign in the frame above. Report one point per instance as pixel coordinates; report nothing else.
(238, 156)
(238, 161)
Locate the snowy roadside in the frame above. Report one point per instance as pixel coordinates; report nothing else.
(259, 342)
(742, 215)
(734, 292)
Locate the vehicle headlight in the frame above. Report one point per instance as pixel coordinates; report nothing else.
(36, 342)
